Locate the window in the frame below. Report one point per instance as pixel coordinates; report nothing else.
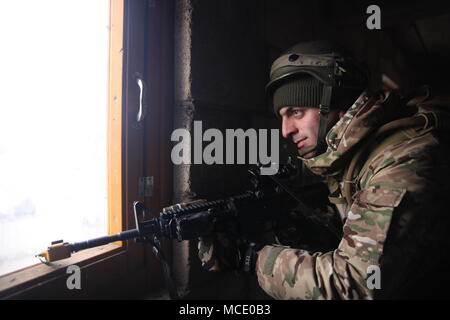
(53, 125)
(69, 126)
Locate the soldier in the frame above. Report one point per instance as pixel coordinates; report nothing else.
(386, 171)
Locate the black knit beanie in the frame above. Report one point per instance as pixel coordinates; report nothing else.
(305, 91)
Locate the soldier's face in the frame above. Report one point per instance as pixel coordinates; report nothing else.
(301, 126)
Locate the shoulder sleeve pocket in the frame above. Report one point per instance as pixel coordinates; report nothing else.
(381, 196)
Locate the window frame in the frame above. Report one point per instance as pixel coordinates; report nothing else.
(120, 263)
(158, 127)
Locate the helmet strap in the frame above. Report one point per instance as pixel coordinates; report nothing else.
(324, 110)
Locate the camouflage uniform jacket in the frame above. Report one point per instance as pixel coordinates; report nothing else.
(391, 229)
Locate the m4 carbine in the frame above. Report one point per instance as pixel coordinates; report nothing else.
(246, 216)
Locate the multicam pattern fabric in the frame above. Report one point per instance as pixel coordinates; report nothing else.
(206, 255)
(219, 253)
(396, 222)
(360, 120)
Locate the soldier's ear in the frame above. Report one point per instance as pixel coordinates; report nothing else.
(341, 114)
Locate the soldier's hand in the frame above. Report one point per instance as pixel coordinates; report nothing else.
(222, 253)
(219, 252)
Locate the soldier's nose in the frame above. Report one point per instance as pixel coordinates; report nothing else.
(288, 128)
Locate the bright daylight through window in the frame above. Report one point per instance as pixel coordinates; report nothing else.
(53, 125)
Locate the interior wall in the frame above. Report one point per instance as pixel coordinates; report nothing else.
(224, 50)
(221, 73)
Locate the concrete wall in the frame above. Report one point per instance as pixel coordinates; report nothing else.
(221, 68)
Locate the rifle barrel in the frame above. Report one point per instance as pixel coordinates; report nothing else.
(125, 235)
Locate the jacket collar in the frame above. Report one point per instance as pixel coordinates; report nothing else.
(367, 114)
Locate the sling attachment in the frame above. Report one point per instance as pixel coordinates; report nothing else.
(170, 283)
(139, 211)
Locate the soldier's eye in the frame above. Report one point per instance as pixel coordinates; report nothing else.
(297, 112)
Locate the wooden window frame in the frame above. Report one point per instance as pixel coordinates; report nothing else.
(119, 269)
(159, 70)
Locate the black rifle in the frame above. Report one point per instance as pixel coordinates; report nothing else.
(263, 208)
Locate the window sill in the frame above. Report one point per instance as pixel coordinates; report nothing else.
(37, 275)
